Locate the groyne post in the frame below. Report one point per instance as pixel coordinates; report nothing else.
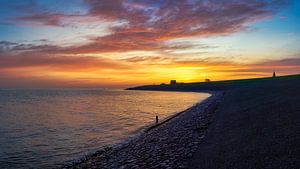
(156, 120)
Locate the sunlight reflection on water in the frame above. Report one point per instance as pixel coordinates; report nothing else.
(46, 128)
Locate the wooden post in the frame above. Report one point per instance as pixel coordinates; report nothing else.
(156, 120)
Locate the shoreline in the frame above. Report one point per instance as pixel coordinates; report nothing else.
(165, 120)
(149, 145)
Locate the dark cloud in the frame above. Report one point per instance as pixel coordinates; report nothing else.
(6, 47)
(44, 19)
(149, 60)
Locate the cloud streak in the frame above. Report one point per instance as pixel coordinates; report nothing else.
(149, 27)
(70, 63)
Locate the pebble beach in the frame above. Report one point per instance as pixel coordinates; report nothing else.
(168, 145)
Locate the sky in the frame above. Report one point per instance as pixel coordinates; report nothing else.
(122, 43)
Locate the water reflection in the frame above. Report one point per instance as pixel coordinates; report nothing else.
(45, 128)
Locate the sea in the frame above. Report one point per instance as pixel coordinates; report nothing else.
(48, 128)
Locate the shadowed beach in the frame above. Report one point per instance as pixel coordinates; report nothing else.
(251, 123)
(255, 126)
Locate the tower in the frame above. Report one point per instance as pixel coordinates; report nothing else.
(172, 82)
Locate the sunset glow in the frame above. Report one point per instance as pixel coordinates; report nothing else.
(120, 43)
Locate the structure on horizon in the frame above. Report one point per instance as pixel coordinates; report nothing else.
(207, 80)
(172, 82)
(274, 74)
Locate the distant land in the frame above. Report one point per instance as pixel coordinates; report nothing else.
(213, 85)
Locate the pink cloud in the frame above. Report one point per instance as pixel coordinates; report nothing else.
(151, 23)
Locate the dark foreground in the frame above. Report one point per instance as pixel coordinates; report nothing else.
(255, 126)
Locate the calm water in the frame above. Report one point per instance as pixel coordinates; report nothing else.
(47, 128)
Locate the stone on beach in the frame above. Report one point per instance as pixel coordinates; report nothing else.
(168, 145)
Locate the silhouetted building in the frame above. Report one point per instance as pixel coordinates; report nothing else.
(207, 80)
(274, 74)
(172, 82)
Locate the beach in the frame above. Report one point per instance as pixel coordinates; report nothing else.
(168, 145)
(78, 122)
(252, 124)
(256, 125)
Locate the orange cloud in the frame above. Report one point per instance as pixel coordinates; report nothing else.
(79, 71)
(73, 63)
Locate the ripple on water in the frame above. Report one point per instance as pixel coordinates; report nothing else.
(46, 128)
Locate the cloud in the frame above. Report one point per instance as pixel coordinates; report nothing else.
(164, 60)
(65, 63)
(7, 46)
(285, 66)
(146, 60)
(59, 20)
(43, 19)
(150, 27)
(282, 67)
(41, 45)
(147, 25)
(287, 62)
